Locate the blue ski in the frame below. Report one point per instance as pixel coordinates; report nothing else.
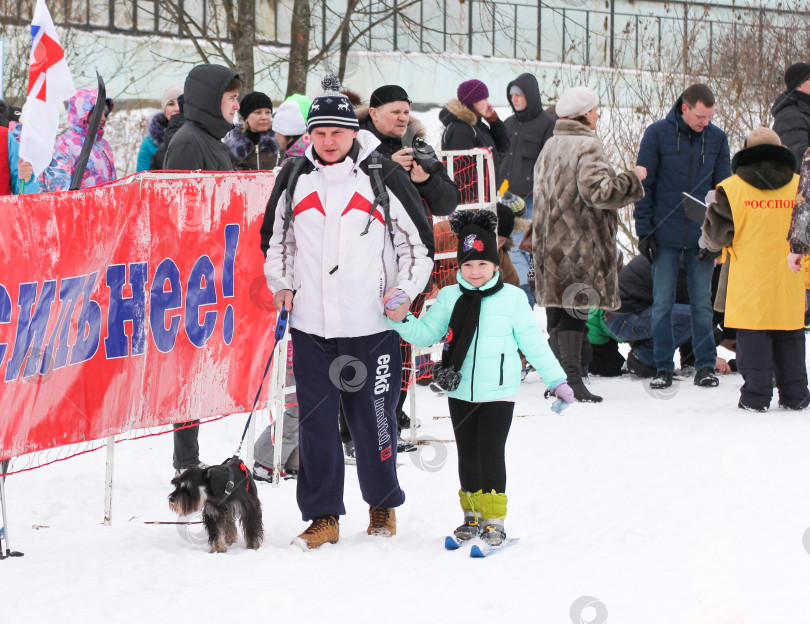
(451, 543)
(477, 552)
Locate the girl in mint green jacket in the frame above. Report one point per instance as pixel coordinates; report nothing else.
(483, 322)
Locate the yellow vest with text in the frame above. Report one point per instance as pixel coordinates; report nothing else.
(763, 293)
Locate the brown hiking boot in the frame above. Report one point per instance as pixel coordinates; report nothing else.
(322, 530)
(382, 522)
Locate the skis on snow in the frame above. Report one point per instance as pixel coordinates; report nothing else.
(479, 549)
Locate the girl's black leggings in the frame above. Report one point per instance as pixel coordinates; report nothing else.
(481, 430)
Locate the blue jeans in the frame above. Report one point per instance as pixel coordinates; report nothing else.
(636, 329)
(699, 287)
(519, 257)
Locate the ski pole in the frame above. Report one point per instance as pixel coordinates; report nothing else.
(281, 329)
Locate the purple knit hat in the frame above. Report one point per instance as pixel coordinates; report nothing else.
(471, 91)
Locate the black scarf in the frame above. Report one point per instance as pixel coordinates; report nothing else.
(463, 324)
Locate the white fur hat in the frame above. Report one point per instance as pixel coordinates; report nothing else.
(288, 120)
(576, 101)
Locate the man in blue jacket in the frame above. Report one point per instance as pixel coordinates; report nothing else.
(682, 153)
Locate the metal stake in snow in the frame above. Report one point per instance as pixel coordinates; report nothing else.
(4, 554)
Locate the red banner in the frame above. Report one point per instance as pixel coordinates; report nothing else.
(130, 305)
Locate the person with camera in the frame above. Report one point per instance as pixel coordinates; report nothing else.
(388, 117)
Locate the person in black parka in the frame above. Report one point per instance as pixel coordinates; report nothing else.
(791, 111)
(211, 94)
(528, 130)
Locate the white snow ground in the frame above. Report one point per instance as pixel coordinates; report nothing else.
(665, 509)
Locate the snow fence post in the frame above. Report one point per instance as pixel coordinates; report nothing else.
(108, 481)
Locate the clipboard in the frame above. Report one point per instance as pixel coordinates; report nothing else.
(695, 209)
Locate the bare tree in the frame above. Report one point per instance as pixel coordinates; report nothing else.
(224, 33)
(300, 29)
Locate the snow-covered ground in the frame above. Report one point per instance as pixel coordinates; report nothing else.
(652, 507)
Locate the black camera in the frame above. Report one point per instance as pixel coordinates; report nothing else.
(425, 155)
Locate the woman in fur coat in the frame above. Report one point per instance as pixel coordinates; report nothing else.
(252, 143)
(576, 197)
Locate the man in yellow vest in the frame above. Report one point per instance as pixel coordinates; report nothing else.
(765, 300)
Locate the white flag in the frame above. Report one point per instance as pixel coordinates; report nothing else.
(49, 84)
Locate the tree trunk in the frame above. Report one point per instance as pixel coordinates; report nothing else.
(344, 40)
(243, 39)
(299, 48)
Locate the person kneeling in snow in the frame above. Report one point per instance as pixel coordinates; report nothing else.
(483, 322)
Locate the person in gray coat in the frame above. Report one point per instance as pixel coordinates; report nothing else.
(211, 95)
(211, 100)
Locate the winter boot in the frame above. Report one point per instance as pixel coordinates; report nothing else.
(493, 511)
(706, 378)
(262, 473)
(322, 530)
(493, 532)
(382, 521)
(554, 343)
(639, 368)
(404, 446)
(587, 355)
(662, 380)
(571, 360)
(348, 448)
(470, 504)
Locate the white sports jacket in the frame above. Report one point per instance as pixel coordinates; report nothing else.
(338, 273)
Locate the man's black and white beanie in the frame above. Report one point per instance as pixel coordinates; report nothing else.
(331, 108)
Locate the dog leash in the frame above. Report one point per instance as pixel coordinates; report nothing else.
(281, 329)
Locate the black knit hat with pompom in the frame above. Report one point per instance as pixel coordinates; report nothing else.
(477, 239)
(331, 108)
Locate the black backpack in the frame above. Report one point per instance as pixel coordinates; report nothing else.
(380, 193)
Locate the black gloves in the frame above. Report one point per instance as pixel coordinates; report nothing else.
(706, 254)
(648, 247)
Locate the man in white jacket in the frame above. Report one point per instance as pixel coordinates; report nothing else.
(335, 264)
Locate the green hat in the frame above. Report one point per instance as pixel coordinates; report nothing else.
(303, 103)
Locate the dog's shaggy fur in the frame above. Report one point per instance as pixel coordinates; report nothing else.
(205, 489)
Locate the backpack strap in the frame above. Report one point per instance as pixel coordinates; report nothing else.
(381, 197)
(298, 167)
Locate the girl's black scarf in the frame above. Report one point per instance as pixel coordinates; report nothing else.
(463, 325)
